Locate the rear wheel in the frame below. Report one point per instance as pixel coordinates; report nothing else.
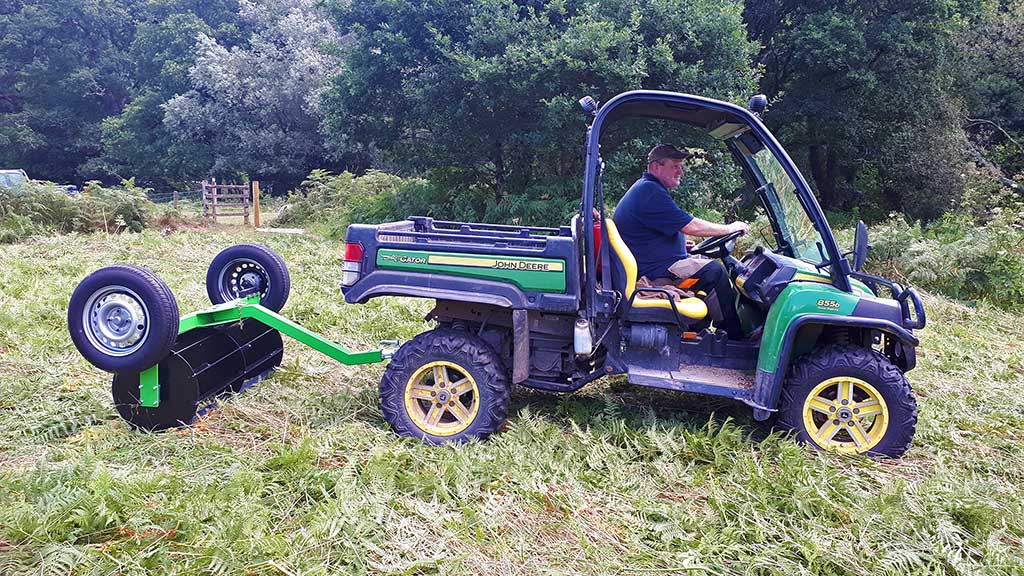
(245, 270)
(851, 400)
(445, 386)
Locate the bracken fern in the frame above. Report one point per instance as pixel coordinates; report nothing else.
(300, 476)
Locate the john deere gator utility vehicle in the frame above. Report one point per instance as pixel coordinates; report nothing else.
(558, 308)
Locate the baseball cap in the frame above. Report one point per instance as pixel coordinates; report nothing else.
(666, 151)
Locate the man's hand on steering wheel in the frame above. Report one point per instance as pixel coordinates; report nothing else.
(726, 241)
(738, 226)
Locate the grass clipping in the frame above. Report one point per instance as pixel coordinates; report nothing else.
(300, 476)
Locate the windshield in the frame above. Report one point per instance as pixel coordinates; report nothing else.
(781, 200)
(10, 180)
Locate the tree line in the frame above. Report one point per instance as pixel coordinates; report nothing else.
(886, 105)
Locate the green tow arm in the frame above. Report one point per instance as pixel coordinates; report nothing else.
(236, 311)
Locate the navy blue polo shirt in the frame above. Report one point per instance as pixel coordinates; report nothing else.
(649, 222)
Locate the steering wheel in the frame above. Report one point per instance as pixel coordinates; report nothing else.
(718, 246)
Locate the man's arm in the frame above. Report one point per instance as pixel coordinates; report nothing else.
(703, 228)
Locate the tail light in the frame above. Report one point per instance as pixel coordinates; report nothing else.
(352, 266)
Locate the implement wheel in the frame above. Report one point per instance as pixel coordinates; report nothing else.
(445, 386)
(851, 400)
(123, 318)
(245, 270)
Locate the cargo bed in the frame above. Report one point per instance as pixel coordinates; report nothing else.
(519, 267)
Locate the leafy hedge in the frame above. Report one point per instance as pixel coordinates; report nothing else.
(327, 203)
(40, 209)
(957, 256)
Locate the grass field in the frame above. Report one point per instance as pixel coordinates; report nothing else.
(300, 476)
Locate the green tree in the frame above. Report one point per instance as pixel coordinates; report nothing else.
(83, 83)
(862, 93)
(63, 69)
(991, 79)
(256, 107)
(136, 142)
(483, 93)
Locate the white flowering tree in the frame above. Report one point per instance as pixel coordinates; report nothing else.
(257, 106)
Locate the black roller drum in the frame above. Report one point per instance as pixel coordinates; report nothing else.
(203, 363)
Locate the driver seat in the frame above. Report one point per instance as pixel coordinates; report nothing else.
(624, 281)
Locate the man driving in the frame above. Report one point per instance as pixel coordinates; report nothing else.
(655, 229)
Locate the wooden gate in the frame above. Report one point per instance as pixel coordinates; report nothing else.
(226, 200)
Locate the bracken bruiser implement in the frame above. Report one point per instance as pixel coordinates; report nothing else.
(125, 320)
(558, 308)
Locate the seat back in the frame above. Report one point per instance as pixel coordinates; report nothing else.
(646, 309)
(623, 262)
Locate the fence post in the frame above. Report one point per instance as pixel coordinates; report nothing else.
(175, 199)
(256, 203)
(245, 205)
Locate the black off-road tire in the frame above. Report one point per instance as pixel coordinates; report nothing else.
(141, 290)
(855, 362)
(263, 262)
(473, 356)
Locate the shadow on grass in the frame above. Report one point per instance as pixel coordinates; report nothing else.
(615, 407)
(637, 407)
(595, 406)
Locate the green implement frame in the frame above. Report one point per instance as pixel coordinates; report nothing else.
(238, 310)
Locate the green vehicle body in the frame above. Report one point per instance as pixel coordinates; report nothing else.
(528, 274)
(803, 299)
(799, 299)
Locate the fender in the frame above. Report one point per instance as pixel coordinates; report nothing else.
(387, 283)
(768, 385)
(806, 304)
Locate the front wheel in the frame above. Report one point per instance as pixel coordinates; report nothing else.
(851, 400)
(445, 386)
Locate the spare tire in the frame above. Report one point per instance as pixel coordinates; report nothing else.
(245, 270)
(123, 318)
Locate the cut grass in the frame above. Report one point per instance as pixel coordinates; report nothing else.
(300, 476)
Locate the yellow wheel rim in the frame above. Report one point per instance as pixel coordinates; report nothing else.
(442, 398)
(847, 415)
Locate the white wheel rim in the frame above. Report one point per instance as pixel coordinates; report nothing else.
(116, 321)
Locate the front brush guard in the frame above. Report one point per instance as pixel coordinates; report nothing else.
(901, 295)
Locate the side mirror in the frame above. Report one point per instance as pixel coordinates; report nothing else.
(758, 103)
(589, 105)
(860, 246)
